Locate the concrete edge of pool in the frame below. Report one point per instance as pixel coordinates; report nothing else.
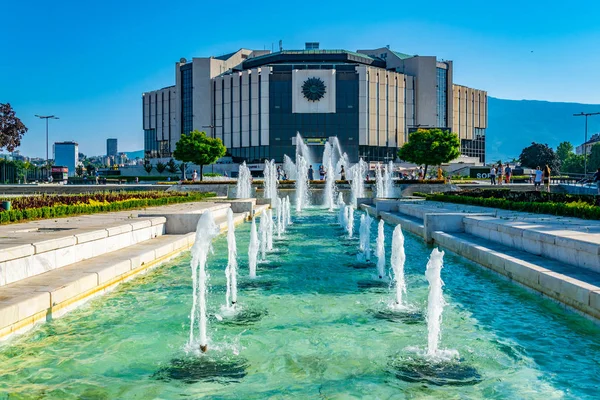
(515, 254)
(40, 298)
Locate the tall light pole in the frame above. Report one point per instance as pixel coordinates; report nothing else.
(47, 117)
(586, 115)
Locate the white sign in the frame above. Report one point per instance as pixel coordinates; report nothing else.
(321, 102)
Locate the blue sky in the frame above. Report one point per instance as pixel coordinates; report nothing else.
(89, 62)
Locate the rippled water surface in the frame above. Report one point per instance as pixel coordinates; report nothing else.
(314, 326)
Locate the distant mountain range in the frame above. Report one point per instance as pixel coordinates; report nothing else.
(514, 124)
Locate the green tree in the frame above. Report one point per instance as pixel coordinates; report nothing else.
(199, 149)
(11, 128)
(538, 155)
(593, 162)
(172, 167)
(160, 167)
(148, 167)
(573, 164)
(430, 147)
(79, 170)
(90, 169)
(564, 150)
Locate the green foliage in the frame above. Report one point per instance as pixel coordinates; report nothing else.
(580, 206)
(538, 155)
(172, 167)
(45, 206)
(197, 148)
(79, 170)
(160, 167)
(430, 147)
(594, 158)
(563, 151)
(11, 128)
(148, 168)
(573, 164)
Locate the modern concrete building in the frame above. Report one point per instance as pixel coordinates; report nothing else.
(579, 150)
(256, 101)
(66, 154)
(111, 148)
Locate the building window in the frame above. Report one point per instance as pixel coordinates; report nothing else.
(187, 116)
(442, 96)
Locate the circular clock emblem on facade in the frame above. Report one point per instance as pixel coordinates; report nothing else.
(313, 89)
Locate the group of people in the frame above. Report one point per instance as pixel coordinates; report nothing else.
(540, 175)
(282, 175)
(503, 172)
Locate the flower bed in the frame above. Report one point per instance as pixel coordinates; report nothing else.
(53, 206)
(580, 206)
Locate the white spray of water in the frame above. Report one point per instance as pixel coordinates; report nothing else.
(289, 167)
(244, 183)
(343, 212)
(357, 175)
(388, 181)
(278, 211)
(270, 180)
(253, 250)
(397, 260)
(350, 221)
(435, 301)
(342, 162)
(303, 150)
(379, 189)
(270, 230)
(288, 210)
(262, 230)
(381, 249)
(206, 231)
(231, 269)
(365, 236)
(302, 189)
(329, 194)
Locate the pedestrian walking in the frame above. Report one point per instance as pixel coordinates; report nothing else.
(537, 180)
(493, 175)
(311, 174)
(322, 172)
(547, 172)
(507, 173)
(500, 173)
(343, 174)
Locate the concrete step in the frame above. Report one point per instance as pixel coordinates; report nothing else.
(53, 293)
(408, 223)
(571, 285)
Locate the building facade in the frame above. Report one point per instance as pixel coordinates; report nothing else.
(66, 154)
(112, 148)
(257, 101)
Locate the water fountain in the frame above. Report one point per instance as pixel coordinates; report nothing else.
(381, 249)
(244, 183)
(303, 150)
(397, 260)
(278, 211)
(288, 211)
(357, 176)
(365, 237)
(253, 249)
(262, 231)
(343, 212)
(289, 167)
(270, 180)
(269, 215)
(231, 269)
(350, 221)
(388, 181)
(206, 231)
(329, 194)
(435, 366)
(302, 184)
(379, 186)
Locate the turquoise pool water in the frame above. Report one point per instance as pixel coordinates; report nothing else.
(316, 337)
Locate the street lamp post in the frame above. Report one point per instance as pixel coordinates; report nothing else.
(586, 115)
(47, 117)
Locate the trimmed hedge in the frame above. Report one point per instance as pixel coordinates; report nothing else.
(576, 208)
(63, 210)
